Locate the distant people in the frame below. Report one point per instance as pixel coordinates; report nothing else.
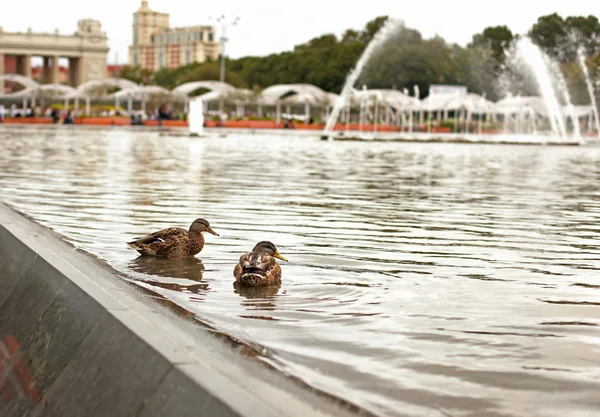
(163, 114)
(30, 112)
(68, 118)
(286, 124)
(2, 112)
(55, 116)
(136, 119)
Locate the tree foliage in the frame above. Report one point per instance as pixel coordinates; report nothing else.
(560, 38)
(136, 74)
(496, 39)
(404, 61)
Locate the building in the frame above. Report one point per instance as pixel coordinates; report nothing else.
(86, 52)
(156, 45)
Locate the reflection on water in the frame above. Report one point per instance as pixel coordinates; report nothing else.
(430, 280)
(256, 292)
(189, 268)
(161, 272)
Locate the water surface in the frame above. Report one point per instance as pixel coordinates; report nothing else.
(424, 279)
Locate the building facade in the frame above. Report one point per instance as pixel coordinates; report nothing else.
(86, 51)
(156, 45)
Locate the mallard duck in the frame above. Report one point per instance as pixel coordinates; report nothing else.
(174, 242)
(258, 268)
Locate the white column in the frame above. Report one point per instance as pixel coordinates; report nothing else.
(376, 115)
(455, 120)
(278, 113)
(429, 116)
(1, 73)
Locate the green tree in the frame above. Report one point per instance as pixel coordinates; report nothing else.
(497, 39)
(324, 41)
(475, 68)
(550, 32)
(136, 74)
(210, 71)
(351, 36)
(585, 31)
(407, 60)
(371, 28)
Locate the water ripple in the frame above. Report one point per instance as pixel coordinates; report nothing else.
(424, 279)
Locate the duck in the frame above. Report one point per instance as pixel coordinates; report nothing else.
(258, 267)
(174, 242)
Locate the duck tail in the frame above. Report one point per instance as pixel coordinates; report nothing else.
(252, 278)
(133, 245)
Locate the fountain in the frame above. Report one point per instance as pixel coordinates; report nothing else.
(588, 81)
(535, 58)
(196, 117)
(562, 85)
(389, 27)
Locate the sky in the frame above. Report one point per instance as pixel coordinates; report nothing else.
(268, 26)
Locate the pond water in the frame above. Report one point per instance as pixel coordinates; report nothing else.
(423, 279)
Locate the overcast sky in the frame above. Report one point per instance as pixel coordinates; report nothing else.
(268, 26)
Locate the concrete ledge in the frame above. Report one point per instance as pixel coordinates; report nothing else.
(76, 340)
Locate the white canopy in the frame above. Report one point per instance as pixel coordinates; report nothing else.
(474, 103)
(394, 98)
(88, 88)
(188, 88)
(518, 105)
(54, 90)
(303, 93)
(138, 93)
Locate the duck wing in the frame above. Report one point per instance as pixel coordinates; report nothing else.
(165, 235)
(256, 263)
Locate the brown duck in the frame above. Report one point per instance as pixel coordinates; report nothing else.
(174, 242)
(259, 268)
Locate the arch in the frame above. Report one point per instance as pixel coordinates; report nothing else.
(187, 88)
(518, 104)
(304, 94)
(58, 89)
(86, 88)
(138, 93)
(53, 90)
(471, 102)
(20, 79)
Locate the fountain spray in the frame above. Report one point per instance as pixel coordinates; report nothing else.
(388, 28)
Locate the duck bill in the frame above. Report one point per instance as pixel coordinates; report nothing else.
(279, 256)
(212, 232)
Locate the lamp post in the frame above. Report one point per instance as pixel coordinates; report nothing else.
(222, 20)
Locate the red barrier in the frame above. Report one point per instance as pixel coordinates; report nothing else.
(231, 124)
(27, 120)
(103, 121)
(169, 123)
